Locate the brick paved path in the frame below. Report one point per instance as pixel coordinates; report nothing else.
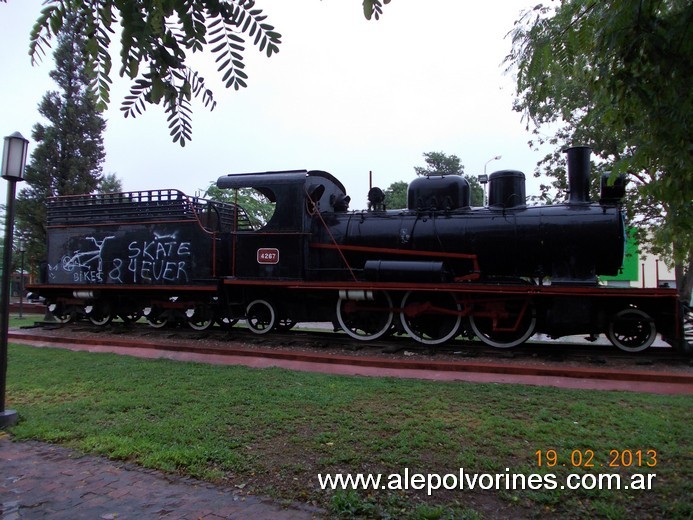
(40, 480)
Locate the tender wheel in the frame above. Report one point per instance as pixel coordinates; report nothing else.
(632, 330)
(366, 320)
(155, 318)
(260, 316)
(431, 318)
(200, 318)
(61, 313)
(503, 324)
(99, 315)
(158, 322)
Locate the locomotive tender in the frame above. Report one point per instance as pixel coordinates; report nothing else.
(436, 270)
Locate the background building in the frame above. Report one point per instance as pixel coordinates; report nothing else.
(641, 270)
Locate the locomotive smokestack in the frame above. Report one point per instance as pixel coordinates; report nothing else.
(578, 174)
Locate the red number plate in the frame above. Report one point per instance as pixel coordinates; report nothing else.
(268, 255)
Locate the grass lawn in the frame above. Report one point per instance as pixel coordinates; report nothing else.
(273, 431)
(25, 321)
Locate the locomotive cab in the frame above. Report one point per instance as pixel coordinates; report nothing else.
(278, 249)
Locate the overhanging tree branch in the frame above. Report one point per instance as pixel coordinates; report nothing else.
(156, 39)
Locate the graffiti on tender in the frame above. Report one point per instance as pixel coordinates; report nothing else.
(160, 258)
(163, 259)
(86, 266)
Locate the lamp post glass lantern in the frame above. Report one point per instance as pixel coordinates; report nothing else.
(14, 157)
(13, 162)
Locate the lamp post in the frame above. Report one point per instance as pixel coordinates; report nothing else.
(21, 248)
(13, 162)
(483, 179)
(496, 158)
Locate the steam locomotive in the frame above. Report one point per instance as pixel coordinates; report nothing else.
(434, 271)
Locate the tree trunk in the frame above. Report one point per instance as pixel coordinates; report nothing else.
(684, 280)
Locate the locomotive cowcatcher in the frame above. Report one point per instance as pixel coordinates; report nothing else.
(434, 271)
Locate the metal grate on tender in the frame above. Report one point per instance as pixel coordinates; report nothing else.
(139, 206)
(228, 212)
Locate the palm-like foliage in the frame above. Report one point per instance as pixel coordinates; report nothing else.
(156, 38)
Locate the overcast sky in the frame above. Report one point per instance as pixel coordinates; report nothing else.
(344, 94)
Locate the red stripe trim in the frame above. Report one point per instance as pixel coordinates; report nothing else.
(391, 251)
(115, 224)
(129, 287)
(539, 290)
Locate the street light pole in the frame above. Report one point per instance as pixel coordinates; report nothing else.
(496, 158)
(13, 162)
(483, 179)
(21, 247)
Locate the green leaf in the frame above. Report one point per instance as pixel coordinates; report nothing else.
(368, 9)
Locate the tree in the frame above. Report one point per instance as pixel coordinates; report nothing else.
(257, 206)
(476, 190)
(396, 195)
(616, 75)
(69, 153)
(155, 39)
(110, 183)
(439, 163)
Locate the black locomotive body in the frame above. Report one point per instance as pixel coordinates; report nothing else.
(436, 270)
